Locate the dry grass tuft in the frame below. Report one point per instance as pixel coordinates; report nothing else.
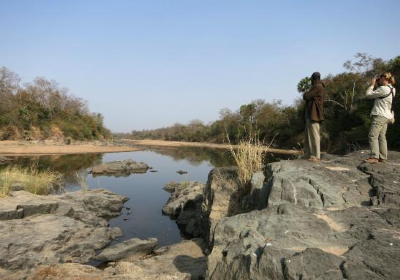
(249, 155)
(5, 183)
(32, 180)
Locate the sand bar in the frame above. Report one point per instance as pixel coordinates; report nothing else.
(17, 148)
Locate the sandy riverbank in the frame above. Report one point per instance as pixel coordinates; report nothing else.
(50, 148)
(176, 144)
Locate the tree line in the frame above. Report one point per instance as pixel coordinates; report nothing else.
(42, 109)
(346, 111)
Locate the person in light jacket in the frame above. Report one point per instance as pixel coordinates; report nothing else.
(380, 116)
(314, 115)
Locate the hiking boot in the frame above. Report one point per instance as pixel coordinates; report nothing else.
(381, 160)
(371, 160)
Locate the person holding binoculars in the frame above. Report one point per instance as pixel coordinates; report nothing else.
(381, 115)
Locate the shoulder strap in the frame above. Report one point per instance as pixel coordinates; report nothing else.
(390, 93)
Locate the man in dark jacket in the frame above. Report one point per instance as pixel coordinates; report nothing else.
(314, 116)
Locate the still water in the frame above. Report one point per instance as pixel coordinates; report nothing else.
(146, 197)
(144, 218)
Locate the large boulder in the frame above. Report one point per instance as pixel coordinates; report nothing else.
(221, 199)
(120, 168)
(224, 196)
(185, 205)
(318, 223)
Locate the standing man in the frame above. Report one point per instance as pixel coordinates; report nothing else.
(314, 116)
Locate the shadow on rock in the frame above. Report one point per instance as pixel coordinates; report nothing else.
(196, 267)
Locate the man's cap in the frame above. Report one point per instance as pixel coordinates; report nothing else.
(316, 75)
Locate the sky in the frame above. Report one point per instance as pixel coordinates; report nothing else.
(146, 64)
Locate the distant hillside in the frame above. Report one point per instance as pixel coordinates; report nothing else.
(43, 110)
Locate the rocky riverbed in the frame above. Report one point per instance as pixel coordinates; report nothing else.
(336, 219)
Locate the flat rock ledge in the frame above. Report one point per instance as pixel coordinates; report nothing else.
(130, 249)
(120, 168)
(181, 261)
(44, 230)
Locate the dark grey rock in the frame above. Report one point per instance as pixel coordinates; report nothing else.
(130, 249)
(315, 221)
(120, 168)
(185, 204)
(221, 199)
(313, 264)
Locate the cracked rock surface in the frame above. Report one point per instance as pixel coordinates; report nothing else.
(181, 261)
(185, 205)
(336, 219)
(37, 230)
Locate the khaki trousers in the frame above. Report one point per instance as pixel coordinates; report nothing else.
(377, 137)
(312, 140)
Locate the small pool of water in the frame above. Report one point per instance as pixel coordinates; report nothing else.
(144, 218)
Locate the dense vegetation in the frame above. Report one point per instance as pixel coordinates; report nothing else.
(346, 112)
(42, 110)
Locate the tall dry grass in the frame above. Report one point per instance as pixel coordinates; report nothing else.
(5, 183)
(248, 155)
(31, 179)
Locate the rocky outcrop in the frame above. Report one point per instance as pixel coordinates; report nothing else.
(38, 230)
(120, 168)
(320, 221)
(182, 261)
(385, 180)
(185, 205)
(224, 197)
(170, 186)
(221, 199)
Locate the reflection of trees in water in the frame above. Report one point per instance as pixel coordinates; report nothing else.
(217, 157)
(196, 156)
(67, 165)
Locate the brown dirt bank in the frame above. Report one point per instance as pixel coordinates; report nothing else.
(160, 143)
(35, 148)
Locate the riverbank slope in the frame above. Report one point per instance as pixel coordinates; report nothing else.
(20, 148)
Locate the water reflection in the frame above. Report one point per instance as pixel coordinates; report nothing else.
(65, 164)
(197, 156)
(146, 196)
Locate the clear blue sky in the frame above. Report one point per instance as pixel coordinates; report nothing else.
(147, 64)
